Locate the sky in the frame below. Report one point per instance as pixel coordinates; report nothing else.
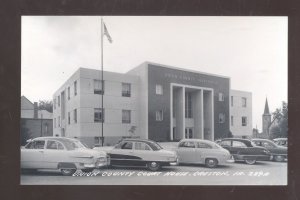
(252, 51)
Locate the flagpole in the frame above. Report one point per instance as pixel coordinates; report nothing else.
(102, 83)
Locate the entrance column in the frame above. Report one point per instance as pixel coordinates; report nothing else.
(198, 113)
(179, 101)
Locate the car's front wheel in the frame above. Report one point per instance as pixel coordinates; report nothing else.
(68, 172)
(211, 162)
(279, 158)
(153, 166)
(250, 161)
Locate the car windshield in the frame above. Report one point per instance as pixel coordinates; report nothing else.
(155, 146)
(217, 146)
(73, 144)
(253, 144)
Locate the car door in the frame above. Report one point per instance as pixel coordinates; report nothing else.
(226, 144)
(32, 156)
(122, 154)
(187, 152)
(54, 153)
(203, 151)
(145, 153)
(238, 147)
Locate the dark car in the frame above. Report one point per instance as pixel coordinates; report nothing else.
(278, 153)
(245, 150)
(281, 141)
(140, 152)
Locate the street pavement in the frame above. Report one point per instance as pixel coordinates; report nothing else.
(262, 173)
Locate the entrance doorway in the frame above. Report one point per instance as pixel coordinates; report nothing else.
(189, 133)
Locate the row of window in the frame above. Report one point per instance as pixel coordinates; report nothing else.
(222, 119)
(99, 116)
(68, 93)
(244, 101)
(99, 88)
(244, 121)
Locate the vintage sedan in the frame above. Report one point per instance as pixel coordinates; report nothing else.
(66, 154)
(140, 152)
(281, 141)
(199, 151)
(278, 153)
(245, 150)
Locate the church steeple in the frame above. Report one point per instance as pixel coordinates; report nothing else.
(266, 112)
(266, 119)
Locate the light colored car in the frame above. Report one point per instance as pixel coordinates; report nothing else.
(202, 152)
(66, 154)
(139, 152)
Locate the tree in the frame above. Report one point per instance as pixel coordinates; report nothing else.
(279, 127)
(46, 105)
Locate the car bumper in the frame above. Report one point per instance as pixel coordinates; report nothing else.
(230, 160)
(174, 163)
(255, 157)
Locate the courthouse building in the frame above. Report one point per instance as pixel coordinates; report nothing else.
(151, 101)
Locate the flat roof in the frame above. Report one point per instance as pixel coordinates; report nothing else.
(183, 69)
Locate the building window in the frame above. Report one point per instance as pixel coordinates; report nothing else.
(244, 121)
(221, 96)
(54, 122)
(75, 88)
(58, 121)
(98, 141)
(58, 101)
(46, 129)
(231, 120)
(159, 89)
(75, 116)
(231, 100)
(68, 93)
(126, 89)
(98, 115)
(188, 105)
(126, 116)
(244, 102)
(98, 87)
(69, 118)
(159, 115)
(221, 118)
(54, 103)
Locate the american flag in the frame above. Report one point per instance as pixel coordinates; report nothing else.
(105, 32)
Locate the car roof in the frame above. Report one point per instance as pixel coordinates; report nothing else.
(260, 139)
(53, 138)
(196, 140)
(137, 140)
(277, 139)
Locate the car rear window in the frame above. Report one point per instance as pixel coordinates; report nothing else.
(37, 144)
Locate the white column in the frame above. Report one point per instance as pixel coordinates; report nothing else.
(171, 112)
(202, 120)
(183, 113)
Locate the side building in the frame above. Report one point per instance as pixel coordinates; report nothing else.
(151, 101)
(241, 113)
(77, 107)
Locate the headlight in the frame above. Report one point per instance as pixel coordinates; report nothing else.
(102, 159)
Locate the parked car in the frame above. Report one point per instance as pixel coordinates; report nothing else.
(199, 151)
(66, 154)
(245, 150)
(278, 153)
(281, 141)
(140, 152)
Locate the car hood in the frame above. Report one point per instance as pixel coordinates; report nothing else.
(87, 153)
(167, 152)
